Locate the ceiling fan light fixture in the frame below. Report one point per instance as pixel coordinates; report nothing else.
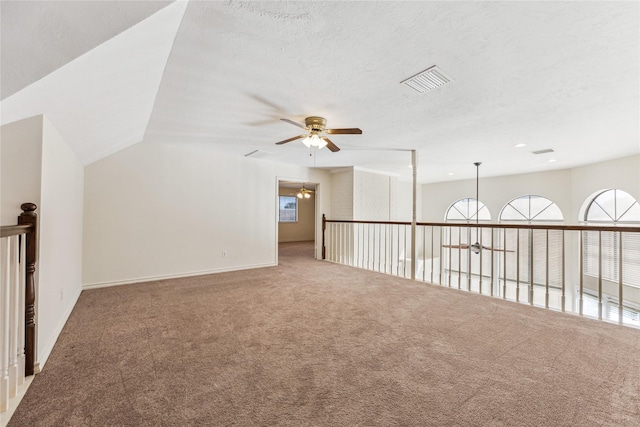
(303, 193)
(316, 126)
(313, 140)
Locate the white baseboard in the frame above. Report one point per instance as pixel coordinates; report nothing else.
(43, 354)
(15, 401)
(172, 276)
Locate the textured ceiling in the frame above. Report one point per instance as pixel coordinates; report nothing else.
(561, 75)
(38, 37)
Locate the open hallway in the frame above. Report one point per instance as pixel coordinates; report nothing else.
(316, 343)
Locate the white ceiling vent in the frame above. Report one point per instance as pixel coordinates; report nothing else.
(428, 79)
(545, 151)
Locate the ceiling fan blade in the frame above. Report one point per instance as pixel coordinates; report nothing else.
(496, 249)
(290, 139)
(330, 145)
(342, 131)
(300, 125)
(456, 246)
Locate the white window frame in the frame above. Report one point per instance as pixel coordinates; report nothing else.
(287, 200)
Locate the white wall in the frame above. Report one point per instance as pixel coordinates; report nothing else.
(304, 229)
(21, 146)
(371, 193)
(342, 194)
(496, 192)
(401, 200)
(362, 194)
(623, 174)
(38, 166)
(159, 210)
(60, 261)
(568, 188)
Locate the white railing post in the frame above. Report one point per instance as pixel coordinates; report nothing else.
(620, 283)
(22, 257)
(14, 297)
(12, 317)
(4, 326)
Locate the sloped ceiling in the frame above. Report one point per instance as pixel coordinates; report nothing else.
(101, 101)
(41, 36)
(561, 75)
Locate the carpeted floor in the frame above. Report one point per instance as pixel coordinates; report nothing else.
(311, 343)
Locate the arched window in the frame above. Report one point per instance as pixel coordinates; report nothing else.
(531, 208)
(466, 209)
(544, 247)
(457, 240)
(613, 207)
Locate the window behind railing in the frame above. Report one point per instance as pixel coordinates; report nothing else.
(602, 249)
(544, 247)
(501, 268)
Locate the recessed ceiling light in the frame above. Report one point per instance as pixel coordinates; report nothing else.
(450, 173)
(520, 145)
(551, 160)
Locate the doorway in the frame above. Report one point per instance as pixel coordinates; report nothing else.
(296, 218)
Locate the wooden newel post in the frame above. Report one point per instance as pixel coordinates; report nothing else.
(324, 227)
(28, 216)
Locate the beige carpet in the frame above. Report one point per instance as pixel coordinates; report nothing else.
(312, 343)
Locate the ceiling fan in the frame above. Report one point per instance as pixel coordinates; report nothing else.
(476, 248)
(303, 193)
(317, 128)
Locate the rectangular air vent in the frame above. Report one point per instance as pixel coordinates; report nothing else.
(428, 79)
(545, 151)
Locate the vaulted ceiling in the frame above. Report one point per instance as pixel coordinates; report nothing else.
(109, 74)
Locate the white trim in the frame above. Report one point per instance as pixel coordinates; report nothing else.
(43, 355)
(317, 244)
(376, 171)
(172, 276)
(5, 417)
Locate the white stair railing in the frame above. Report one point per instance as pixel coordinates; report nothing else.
(18, 259)
(12, 314)
(588, 270)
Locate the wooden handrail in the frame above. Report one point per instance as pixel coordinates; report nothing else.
(14, 230)
(619, 227)
(28, 225)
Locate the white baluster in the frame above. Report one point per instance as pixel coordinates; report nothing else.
(4, 326)
(21, 291)
(13, 315)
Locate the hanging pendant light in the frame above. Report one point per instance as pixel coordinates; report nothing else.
(476, 248)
